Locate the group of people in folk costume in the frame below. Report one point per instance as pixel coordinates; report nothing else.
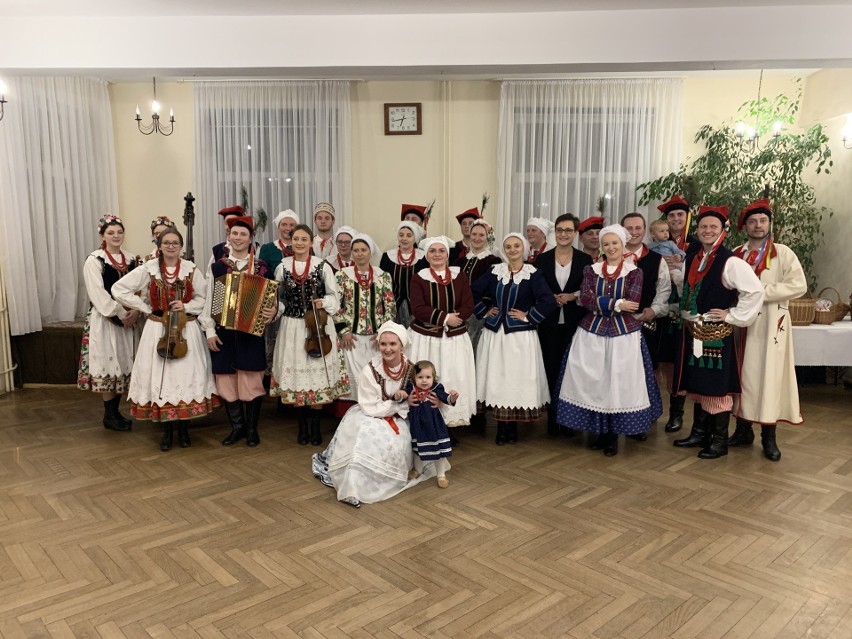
(442, 332)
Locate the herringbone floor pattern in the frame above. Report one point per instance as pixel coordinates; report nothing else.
(104, 536)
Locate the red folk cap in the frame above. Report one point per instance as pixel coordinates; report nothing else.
(758, 206)
(232, 210)
(419, 211)
(677, 203)
(719, 212)
(590, 224)
(242, 220)
(474, 213)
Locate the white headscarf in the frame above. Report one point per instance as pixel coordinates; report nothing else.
(520, 237)
(363, 237)
(283, 215)
(436, 239)
(397, 329)
(415, 228)
(546, 226)
(348, 230)
(614, 229)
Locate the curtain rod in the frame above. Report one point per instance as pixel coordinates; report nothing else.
(190, 80)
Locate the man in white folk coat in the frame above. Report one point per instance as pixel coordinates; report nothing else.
(769, 391)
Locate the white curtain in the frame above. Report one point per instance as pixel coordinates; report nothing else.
(57, 178)
(566, 143)
(286, 142)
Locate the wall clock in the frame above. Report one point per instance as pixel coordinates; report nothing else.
(403, 118)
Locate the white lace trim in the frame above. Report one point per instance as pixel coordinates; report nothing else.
(504, 274)
(597, 267)
(598, 409)
(426, 275)
(418, 254)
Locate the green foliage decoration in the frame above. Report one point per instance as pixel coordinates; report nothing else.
(733, 173)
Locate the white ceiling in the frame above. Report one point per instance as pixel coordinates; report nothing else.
(82, 8)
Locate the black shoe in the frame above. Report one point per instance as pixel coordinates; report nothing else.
(316, 433)
(639, 437)
(166, 441)
(454, 442)
(302, 418)
(743, 434)
(500, 440)
(770, 446)
(183, 437)
(238, 424)
(252, 413)
(611, 445)
(675, 422)
(116, 403)
(599, 443)
(112, 419)
(512, 432)
(478, 423)
(699, 436)
(717, 425)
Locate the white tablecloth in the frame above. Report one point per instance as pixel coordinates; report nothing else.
(823, 344)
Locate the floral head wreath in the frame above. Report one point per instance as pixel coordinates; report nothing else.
(162, 220)
(108, 219)
(489, 232)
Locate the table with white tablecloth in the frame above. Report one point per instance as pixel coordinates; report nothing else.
(823, 344)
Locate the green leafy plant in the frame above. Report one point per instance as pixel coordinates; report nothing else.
(734, 172)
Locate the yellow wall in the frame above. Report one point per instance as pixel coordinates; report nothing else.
(454, 161)
(154, 172)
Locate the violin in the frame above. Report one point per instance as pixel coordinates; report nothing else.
(317, 341)
(172, 345)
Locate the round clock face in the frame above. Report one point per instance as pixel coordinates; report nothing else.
(402, 119)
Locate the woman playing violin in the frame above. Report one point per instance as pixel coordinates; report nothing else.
(169, 390)
(239, 359)
(309, 293)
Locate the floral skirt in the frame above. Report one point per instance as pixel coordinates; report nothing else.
(106, 355)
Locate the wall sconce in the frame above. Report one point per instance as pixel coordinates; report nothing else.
(846, 132)
(3, 99)
(148, 129)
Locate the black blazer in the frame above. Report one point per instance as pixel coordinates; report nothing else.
(546, 264)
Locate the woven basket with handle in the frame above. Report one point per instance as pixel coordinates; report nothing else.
(834, 312)
(802, 310)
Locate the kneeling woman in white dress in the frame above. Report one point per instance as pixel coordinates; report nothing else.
(511, 381)
(370, 455)
(169, 390)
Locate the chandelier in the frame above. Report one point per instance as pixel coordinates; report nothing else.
(148, 129)
(749, 136)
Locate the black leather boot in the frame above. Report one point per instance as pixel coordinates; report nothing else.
(718, 426)
(611, 444)
(639, 437)
(477, 423)
(252, 411)
(675, 422)
(511, 432)
(166, 441)
(600, 442)
(238, 423)
(699, 431)
(770, 446)
(116, 404)
(316, 433)
(112, 419)
(743, 434)
(302, 418)
(183, 436)
(500, 439)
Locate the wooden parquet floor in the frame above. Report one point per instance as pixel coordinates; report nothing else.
(104, 536)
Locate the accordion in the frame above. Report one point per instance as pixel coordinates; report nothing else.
(239, 300)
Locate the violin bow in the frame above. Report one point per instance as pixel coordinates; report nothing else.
(168, 330)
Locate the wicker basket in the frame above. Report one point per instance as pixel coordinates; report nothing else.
(802, 310)
(836, 311)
